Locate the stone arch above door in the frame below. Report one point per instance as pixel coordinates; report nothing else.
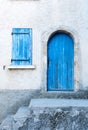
(45, 37)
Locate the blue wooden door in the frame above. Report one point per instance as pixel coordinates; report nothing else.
(60, 63)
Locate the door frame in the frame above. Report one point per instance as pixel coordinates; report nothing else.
(45, 38)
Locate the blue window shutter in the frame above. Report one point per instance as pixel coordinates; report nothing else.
(22, 46)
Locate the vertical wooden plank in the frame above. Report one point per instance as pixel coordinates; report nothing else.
(15, 49)
(70, 64)
(50, 64)
(29, 51)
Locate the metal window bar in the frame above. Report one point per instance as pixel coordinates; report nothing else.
(19, 33)
(20, 60)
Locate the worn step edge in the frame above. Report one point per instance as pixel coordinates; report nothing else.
(23, 112)
(58, 103)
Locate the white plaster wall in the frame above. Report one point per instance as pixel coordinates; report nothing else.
(40, 15)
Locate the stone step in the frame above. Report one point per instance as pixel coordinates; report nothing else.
(7, 123)
(59, 114)
(14, 122)
(22, 113)
(58, 103)
(49, 114)
(21, 116)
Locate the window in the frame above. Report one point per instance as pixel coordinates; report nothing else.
(21, 46)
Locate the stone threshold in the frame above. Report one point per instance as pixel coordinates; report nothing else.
(58, 103)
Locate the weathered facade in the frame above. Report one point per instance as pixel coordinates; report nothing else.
(45, 18)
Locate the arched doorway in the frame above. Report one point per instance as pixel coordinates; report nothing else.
(60, 63)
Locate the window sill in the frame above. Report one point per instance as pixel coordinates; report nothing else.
(21, 67)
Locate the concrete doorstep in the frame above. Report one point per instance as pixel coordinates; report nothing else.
(59, 103)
